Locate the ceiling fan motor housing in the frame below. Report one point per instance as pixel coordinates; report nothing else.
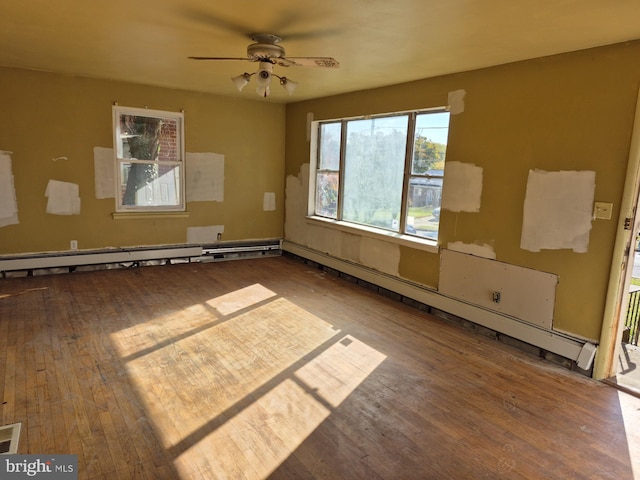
(257, 51)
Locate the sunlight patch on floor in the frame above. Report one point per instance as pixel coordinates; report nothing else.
(258, 439)
(236, 398)
(240, 299)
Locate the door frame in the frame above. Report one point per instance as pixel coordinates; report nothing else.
(620, 274)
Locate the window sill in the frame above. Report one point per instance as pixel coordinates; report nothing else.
(379, 234)
(147, 215)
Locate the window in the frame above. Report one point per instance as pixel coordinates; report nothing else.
(149, 151)
(383, 172)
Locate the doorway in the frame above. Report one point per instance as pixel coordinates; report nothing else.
(627, 360)
(611, 357)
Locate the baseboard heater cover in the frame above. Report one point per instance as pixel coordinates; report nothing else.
(548, 340)
(96, 257)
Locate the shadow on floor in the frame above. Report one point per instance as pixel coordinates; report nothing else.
(628, 368)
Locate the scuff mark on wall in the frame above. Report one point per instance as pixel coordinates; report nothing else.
(462, 187)
(8, 201)
(63, 198)
(455, 100)
(269, 202)
(204, 235)
(205, 177)
(558, 210)
(104, 174)
(485, 250)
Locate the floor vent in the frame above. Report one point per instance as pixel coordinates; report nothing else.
(9, 438)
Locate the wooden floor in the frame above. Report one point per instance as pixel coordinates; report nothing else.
(268, 368)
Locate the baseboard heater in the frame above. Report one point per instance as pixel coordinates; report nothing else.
(163, 254)
(10, 263)
(548, 340)
(241, 249)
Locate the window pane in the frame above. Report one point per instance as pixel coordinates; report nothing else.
(150, 184)
(148, 138)
(430, 142)
(425, 191)
(327, 194)
(330, 136)
(374, 169)
(423, 212)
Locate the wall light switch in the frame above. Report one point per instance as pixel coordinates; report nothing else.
(602, 210)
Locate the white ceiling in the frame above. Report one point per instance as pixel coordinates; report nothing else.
(377, 42)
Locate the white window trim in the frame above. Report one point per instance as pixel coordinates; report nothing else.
(145, 112)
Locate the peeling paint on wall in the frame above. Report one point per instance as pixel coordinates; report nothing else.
(269, 202)
(462, 188)
(558, 210)
(455, 100)
(204, 235)
(8, 202)
(63, 198)
(104, 174)
(484, 250)
(205, 177)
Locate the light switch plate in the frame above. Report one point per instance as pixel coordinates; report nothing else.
(602, 210)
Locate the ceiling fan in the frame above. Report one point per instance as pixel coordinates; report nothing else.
(267, 51)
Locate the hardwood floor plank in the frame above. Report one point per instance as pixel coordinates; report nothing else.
(268, 368)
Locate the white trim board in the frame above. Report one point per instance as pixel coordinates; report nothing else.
(548, 340)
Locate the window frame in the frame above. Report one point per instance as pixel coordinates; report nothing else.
(401, 236)
(180, 162)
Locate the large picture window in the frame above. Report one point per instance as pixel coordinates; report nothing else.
(383, 171)
(149, 149)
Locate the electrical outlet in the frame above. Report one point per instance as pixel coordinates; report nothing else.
(74, 245)
(602, 210)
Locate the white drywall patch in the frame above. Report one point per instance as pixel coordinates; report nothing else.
(558, 210)
(456, 101)
(309, 124)
(8, 202)
(485, 250)
(205, 177)
(269, 202)
(64, 198)
(462, 187)
(522, 292)
(104, 172)
(380, 255)
(296, 198)
(204, 235)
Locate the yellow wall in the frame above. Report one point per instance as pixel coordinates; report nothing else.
(46, 116)
(570, 112)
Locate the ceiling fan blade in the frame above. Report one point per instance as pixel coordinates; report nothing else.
(221, 58)
(323, 62)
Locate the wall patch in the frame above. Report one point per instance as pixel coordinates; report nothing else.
(8, 202)
(205, 177)
(558, 210)
(462, 187)
(63, 198)
(103, 166)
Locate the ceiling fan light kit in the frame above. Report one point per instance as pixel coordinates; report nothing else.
(267, 51)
